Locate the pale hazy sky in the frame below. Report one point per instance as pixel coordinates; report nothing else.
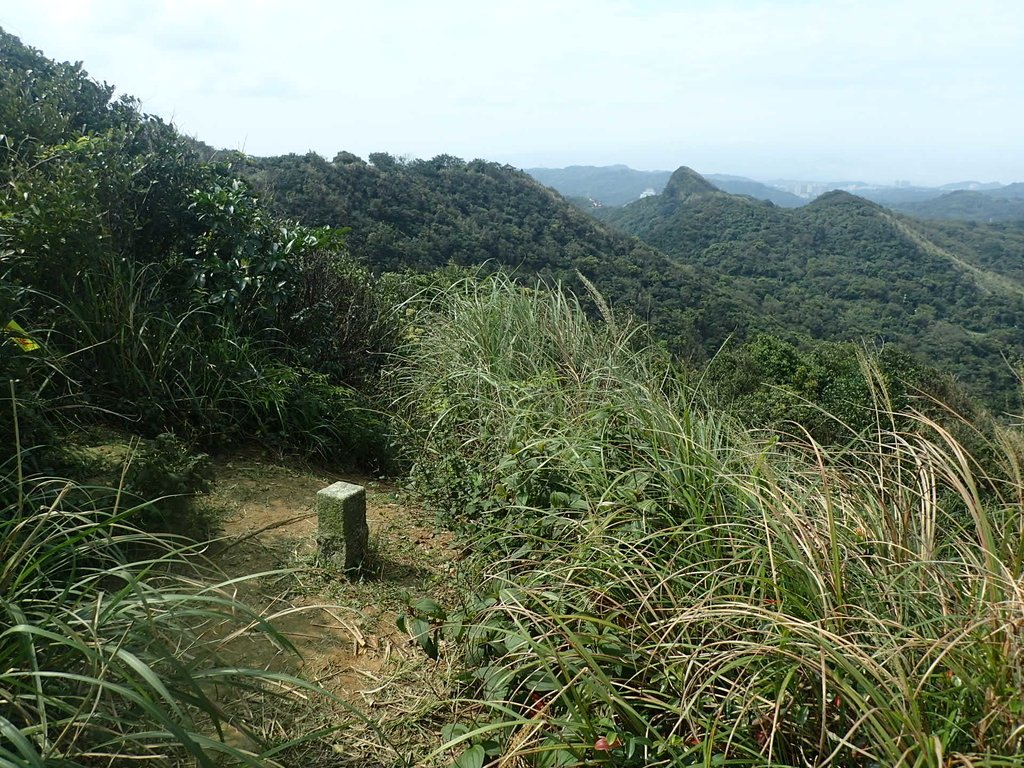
(926, 90)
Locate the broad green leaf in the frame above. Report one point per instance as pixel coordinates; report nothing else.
(471, 758)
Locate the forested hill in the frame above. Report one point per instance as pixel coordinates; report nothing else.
(424, 214)
(715, 264)
(614, 185)
(845, 268)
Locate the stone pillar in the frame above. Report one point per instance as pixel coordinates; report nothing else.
(343, 533)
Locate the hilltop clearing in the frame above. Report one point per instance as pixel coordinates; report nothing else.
(344, 632)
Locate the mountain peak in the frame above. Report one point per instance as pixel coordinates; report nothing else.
(686, 182)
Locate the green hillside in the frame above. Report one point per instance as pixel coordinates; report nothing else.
(845, 268)
(1016, 189)
(426, 214)
(715, 265)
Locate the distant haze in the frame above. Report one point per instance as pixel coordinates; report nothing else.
(924, 90)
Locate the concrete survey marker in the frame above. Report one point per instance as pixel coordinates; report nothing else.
(343, 533)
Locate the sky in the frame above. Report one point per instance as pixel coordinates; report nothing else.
(931, 91)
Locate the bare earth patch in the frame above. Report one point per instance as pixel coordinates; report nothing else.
(343, 631)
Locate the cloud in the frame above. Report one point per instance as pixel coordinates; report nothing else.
(726, 80)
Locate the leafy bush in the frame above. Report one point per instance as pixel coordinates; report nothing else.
(338, 319)
(166, 296)
(827, 388)
(31, 387)
(167, 471)
(295, 409)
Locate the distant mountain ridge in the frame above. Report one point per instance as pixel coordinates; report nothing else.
(595, 187)
(1010, 190)
(843, 267)
(740, 185)
(601, 185)
(973, 186)
(426, 214)
(712, 265)
(969, 205)
(615, 185)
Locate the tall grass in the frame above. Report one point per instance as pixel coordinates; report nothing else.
(659, 586)
(109, 639)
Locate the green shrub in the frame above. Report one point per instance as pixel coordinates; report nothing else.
(298, 410)
(167, 471)
(167, 298)
(338, 319)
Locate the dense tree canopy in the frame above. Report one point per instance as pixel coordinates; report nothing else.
(714, 266)
(423, 214)
(842, 268)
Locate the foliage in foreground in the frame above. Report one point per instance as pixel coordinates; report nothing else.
(659, 587)
(152, 293)
(164, 297)
(109, 639)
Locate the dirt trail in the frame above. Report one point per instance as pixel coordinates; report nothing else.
(344, 631)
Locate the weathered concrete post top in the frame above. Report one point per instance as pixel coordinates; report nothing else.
(343, 533)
